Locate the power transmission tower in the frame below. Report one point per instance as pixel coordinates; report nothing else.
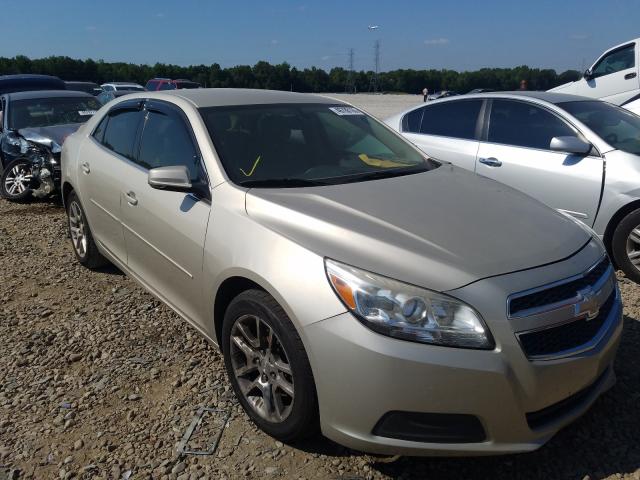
(373, 84)
(350, 85)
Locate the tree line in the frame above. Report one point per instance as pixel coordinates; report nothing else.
(285, 77)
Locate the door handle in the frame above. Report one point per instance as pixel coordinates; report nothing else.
(131, 198)
(631, 75)
(490, 162)
(85, 167)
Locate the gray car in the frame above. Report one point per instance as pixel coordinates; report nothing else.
(576, 154)
(399, 304)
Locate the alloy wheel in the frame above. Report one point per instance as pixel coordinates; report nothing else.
(261, 367)
(18, 179)
(77, 229)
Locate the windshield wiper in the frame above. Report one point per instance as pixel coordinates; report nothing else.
(389, 173)
(282, 183)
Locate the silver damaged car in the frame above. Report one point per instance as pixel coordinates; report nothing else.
(355, 286)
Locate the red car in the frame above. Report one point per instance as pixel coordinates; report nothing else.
(168, 84)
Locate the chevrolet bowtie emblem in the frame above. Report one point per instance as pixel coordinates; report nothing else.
(587, 304)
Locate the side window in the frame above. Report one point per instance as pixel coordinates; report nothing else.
(120, 134)
(108, 88)
(616, 61)
(98, 133)
(166, 142)
(524, 125)
(411, 121)
(456, 119)
(167, 86)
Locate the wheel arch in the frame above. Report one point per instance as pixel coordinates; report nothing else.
(67, 188)
(616, 218)
(229, 289)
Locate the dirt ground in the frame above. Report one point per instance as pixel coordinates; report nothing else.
(98, 380)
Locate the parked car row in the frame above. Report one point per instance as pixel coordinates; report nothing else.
(397, 302)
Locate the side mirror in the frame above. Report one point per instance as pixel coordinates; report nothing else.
(174, 178)
(587, 75)
(570, 144)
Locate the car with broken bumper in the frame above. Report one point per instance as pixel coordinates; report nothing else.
(399, 304)
(34, 125)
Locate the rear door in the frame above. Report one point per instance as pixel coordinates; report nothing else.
(515, 151)
(446, 131)
(103, 167)
(165, 231)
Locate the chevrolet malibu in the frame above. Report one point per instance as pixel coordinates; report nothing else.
(399, 304)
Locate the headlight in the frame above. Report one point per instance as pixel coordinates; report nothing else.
(404, 311)
(18, 142)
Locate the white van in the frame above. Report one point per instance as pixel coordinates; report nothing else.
(613, 77)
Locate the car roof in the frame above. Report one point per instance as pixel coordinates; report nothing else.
(30, 95)
(215, 97)
(551, 97)
(120, 83)
(77, 82)
(22, 76)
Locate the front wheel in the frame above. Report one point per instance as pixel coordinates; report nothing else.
(16, 181)
(268, 367)
(625, 245)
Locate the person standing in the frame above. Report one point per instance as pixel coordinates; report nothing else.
(425, 94)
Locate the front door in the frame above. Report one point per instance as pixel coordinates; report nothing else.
(614, 76)
(516, 152)
(165, 230)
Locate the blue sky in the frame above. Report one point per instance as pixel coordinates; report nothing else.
(462, 35)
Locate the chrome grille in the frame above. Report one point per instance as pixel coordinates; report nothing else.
(566, 317)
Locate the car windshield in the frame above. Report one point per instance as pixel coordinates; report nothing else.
(45, 112)
(618, 127)
(289, 145)
(137, 88)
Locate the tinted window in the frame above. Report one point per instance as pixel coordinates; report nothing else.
(451, 119)
(411, 121)
(98, 133)
(618, 126)
(616, 61)
(524, 125)
(286, 145)
(167, 86)
(152, 85)
(121, 131)
(166, 142)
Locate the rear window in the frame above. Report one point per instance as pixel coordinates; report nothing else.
(456, 119)
(152, 85)
(121, 132)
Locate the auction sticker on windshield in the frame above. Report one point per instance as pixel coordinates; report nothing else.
(345, 111)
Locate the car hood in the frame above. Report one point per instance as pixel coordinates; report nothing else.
(52, 137)
(440, 229)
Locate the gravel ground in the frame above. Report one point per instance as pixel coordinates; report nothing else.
(99, 380)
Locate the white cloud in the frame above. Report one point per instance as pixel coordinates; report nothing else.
(325, 58)
(436, 41)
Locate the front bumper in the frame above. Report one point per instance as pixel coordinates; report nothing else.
(361, 376)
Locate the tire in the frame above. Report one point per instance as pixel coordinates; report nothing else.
(288, 418)
(82, 241)
(15, 181)
(626, 251)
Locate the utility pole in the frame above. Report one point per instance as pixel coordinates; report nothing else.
(373, 84)
(350, 85)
